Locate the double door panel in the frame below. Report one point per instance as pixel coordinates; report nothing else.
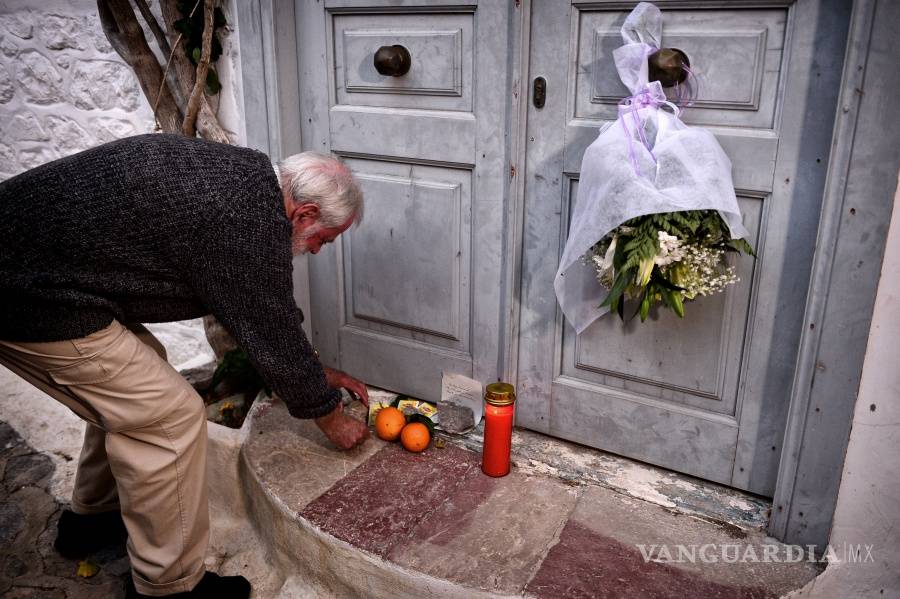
(412, 292)
(706, 395)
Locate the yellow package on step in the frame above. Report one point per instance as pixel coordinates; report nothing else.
(416, 406)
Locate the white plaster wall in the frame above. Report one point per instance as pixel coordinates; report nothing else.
(64, 89)
(868, 506)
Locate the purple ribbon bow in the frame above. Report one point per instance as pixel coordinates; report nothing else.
(651, 96)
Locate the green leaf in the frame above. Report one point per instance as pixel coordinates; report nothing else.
(183, 26)
(237, 367)
(213, 86)
(677, 304)
(740, 245)
(645, 305)
(619, 255)
(666, 297)
(219, 18)
(424, 420)
(664, 282)
(623, 279)
(196, 53)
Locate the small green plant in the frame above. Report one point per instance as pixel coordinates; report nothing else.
(234, 376)
(191, 27)
(237, 369)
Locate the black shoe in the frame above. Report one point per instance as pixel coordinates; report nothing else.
(79, 535)
(211, 586)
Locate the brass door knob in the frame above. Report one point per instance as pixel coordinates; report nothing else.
(392, 60)
(667, 65)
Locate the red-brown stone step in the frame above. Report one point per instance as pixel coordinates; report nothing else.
(376, 506)
(492, 533)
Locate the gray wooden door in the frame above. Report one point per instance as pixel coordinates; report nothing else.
(706, 395)
(412, 292)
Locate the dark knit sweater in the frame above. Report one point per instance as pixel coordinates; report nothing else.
(158, 228)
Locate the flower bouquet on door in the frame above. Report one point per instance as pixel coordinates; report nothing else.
(656, 214)
(665, 258)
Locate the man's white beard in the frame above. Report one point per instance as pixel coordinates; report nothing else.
(298, 243)
(298, 247)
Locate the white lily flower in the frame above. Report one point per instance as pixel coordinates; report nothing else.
(645, 269)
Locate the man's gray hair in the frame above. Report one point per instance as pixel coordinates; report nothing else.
(325, 181)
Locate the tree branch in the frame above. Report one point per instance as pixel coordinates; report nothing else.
(127, 38)
(193, 105)
(207, 122)
(163, 42)
(151, 21)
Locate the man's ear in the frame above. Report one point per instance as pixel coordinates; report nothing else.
(307, 211)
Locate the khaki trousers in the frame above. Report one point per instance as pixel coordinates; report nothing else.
(144, 445)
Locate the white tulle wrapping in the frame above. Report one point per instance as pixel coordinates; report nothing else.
(691, 172)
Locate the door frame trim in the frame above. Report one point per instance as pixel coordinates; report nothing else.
(519, 58)
(837, 320)
(270, 94)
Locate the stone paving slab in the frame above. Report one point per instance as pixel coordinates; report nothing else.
(298, 462)
(538, 453)
(599, 555)
(29, 565)
(492, 533)
(585, 564)
(376, 506)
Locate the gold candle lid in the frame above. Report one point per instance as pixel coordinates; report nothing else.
(500, 394)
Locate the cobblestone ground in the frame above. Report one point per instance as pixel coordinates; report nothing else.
(29, 566)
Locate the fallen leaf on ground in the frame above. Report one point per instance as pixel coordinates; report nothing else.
(87, 569)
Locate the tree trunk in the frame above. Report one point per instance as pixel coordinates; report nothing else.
(126, 36)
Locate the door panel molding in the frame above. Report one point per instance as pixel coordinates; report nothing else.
(364, 129)
(618, 422)
(738, 79)
(441, 47)
(417, 278)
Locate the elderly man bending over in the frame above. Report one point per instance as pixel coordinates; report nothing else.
(149, 229)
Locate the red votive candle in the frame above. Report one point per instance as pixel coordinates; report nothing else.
(499, 399)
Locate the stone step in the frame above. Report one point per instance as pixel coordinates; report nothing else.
(378, 521)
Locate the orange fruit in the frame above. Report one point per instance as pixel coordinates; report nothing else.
(415, 437)
(388, 423)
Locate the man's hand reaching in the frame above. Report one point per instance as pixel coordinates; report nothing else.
(338, 379)
(342, 430)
